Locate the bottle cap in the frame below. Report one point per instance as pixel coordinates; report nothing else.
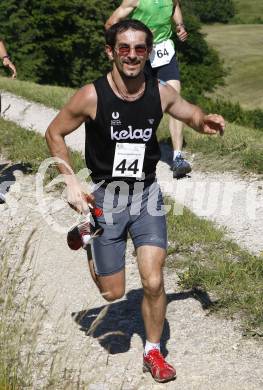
(97, 212)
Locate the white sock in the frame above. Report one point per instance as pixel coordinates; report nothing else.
(149, 346)
(177, 153)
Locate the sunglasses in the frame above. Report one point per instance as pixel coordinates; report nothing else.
(124, 50)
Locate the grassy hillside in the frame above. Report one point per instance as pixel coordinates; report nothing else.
(50, 96)
(205, 259)
(241, 48)
(249, 11)
(240, 149)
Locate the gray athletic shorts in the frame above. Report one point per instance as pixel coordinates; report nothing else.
(165, 72)
(132, 209)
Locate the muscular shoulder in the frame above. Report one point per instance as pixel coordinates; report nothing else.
(84, 102)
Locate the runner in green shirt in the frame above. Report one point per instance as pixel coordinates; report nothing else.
(159, 15)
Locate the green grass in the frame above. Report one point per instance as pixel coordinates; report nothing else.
(21, 145)
(50, 96)
(207, 261)
(22, 320)
(240, 149)
(249, 11)
(18, 329)
(241, 47)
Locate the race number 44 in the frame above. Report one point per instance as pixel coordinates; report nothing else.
(128, 160)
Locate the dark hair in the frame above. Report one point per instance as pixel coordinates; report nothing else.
(124, 25)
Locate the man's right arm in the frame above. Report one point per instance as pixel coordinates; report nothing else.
(178, 19)
(126, 7)
(80, 108)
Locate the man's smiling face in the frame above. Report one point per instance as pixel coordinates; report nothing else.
(130, 53)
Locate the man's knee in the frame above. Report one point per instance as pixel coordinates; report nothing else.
(153, 286)
(111, 295)
(112, 287)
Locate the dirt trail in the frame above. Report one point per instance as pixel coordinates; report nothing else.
(209, 353)
(227, 198)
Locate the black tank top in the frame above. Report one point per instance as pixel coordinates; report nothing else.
(121, 121)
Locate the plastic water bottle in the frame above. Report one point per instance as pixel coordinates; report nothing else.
(82, 234)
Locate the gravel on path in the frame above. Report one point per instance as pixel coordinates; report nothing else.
(209, 352)
(227, 198)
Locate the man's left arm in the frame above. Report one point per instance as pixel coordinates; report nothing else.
(178, 20)
(190, 114)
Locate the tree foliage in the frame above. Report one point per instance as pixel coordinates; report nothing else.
(210, 11)
(61, 42)
(56, 41)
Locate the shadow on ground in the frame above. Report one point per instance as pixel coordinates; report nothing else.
(114, 325)
(7, 177)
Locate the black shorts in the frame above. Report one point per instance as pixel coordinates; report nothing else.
(139, 212)
(164, 72)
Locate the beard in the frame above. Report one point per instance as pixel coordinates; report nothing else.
(129, 74)
(132, 74)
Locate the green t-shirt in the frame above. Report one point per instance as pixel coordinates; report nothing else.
(156, 14)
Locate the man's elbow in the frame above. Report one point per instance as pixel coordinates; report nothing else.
(108, 24)
(48, 135)
(118, 15)
(51, 137)
(111, 21)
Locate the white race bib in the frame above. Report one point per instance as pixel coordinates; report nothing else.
(128, 160)
(162, 53)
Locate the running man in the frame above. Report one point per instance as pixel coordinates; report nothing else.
(159, 15)
(6, 59)
(122, 111)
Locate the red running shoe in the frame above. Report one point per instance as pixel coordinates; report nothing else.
(155, 363)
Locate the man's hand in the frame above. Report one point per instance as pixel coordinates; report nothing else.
(213, 124)
(10, 65)
(76, 198)
(181, 32)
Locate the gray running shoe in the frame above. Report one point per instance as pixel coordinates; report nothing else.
(180, 167)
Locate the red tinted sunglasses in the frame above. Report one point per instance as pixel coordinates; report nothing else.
(124, 51)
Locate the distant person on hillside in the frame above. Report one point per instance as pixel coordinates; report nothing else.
(159, 15)
(6, 59)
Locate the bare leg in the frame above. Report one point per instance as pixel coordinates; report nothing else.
(175, 126)
(180, 166)
(111, 287)
(150, 263)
